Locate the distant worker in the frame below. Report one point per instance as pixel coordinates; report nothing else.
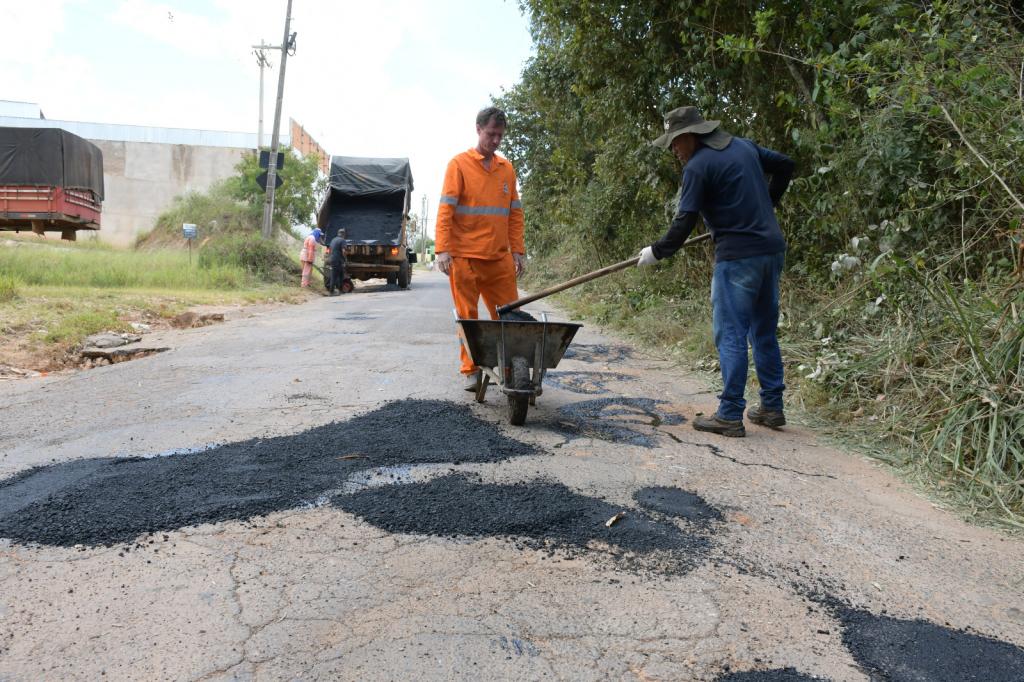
(479, 228)
(724, 181)
(337, 254)
(308, 255)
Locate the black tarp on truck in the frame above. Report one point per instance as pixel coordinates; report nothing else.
(369, 198)
(50, 180)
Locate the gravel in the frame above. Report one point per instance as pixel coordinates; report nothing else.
(538, 514)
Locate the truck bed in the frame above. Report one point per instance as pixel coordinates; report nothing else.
(369, 220)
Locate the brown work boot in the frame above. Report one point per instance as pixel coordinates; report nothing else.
(472, 381)
(723, 427)
(773, 419)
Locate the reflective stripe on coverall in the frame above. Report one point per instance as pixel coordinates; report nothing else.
(480, 224)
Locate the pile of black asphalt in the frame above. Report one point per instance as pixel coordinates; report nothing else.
(904, 650)
(538, 514)
(908, 650)
(677, 503)
(108, 500)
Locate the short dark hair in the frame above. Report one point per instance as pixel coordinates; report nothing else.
(491, 113)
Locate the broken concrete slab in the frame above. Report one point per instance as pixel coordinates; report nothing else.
(121, 354)
(189, 319)
(110, 339)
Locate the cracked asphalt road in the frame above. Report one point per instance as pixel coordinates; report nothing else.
(317, 593)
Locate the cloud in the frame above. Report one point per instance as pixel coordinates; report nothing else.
(191, 34)
(383, 78)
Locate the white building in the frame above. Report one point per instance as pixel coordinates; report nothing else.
(144, 168)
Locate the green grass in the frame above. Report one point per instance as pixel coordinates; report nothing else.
(76, 326)
(9, 287)
(53, 294)
(92, 265)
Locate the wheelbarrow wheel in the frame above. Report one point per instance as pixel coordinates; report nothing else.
(519, 404)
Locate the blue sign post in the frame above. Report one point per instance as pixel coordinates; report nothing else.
(188, 230)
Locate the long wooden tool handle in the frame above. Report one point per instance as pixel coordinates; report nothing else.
(585, 278)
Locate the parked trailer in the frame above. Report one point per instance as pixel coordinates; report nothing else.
(50, 181)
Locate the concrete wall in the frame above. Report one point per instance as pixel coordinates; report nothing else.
(141, 179)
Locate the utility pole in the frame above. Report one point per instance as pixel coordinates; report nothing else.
(261, 59)
(287, 47)
(423, 230)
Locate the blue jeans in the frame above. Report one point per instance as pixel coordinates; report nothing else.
(745, 306)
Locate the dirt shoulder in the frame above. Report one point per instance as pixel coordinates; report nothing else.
(44, 329)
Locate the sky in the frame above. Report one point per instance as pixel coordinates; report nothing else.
(371, 78)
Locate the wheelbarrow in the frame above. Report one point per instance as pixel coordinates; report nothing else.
(515, 354)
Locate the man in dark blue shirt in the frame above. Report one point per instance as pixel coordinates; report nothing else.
(724, 182)
(337, 253)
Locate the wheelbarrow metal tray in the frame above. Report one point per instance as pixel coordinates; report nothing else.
(482, 339)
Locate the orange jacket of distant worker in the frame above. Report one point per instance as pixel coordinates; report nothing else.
(480, 215)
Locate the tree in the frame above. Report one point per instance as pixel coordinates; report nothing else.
(296, 200)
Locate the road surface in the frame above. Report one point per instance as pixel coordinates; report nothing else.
(306, 492)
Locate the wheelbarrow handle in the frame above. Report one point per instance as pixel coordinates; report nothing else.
(582, 279)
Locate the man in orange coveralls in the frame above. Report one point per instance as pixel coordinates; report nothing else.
(308, 254)
(479, 228)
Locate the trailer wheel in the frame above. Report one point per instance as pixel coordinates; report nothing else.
(404, 274)
(518, 405)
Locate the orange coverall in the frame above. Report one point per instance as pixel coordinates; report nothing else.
(308, 255)
(480, 224)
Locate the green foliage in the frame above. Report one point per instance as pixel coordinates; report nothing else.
(9, 287)
(295, 202)
(262, 259)
(235, 205)
(904, 222)
(214, 212)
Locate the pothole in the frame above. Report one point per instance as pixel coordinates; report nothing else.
(629, 421)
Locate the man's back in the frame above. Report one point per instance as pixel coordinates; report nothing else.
(337, 248)
(727, 187)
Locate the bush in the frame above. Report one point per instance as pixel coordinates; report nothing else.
(265, 260)
(215, 212)
(9, 287)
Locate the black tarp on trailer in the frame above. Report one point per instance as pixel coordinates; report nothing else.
(369, 197)
(51, 157)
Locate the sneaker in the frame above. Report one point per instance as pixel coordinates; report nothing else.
(472, 381)
(723, 427)
(773, 419)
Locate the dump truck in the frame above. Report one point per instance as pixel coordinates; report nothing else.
(369, 198)
(50, 181)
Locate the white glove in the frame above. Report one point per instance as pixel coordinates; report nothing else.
(647, 257)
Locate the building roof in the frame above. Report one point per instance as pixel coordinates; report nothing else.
(28, 115)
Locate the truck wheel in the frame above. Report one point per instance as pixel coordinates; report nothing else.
(392, 279)
(404, 274)
(518, 405)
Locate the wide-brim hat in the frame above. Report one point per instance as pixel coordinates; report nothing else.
(688, 120)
